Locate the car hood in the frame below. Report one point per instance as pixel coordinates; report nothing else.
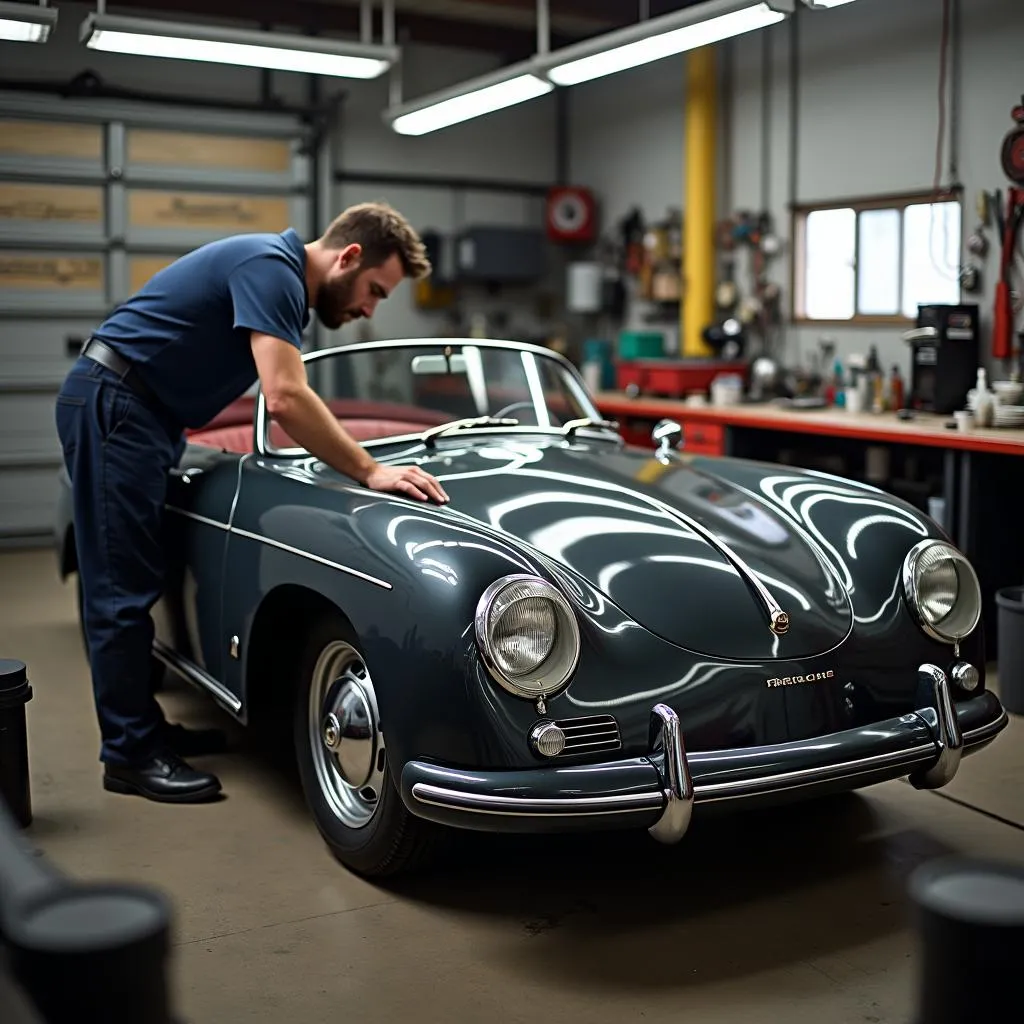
(674, 546)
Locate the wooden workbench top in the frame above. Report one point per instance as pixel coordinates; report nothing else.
(924, 429)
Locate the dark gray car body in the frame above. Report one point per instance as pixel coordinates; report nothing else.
(634, 541)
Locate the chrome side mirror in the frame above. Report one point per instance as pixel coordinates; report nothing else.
(667, 434)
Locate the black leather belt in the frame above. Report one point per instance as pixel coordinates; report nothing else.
(103, 354)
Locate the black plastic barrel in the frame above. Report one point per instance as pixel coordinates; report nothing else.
(970, 928)
(94, 953)
(1010, 635)
(15, 693)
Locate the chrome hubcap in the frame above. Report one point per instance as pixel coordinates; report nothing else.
(345, 738)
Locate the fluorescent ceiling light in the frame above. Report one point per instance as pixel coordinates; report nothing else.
(656, 38)
(305, 54)
(24, 23)
(504, 88)
(825, 4)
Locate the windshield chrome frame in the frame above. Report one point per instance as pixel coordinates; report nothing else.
(577, 387)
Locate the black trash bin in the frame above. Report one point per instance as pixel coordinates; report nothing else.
(969, 920)
(1010, 627)
(15, 693)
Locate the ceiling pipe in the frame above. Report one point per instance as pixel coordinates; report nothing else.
(366, 21)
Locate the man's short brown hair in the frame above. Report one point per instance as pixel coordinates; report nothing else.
(381, 231)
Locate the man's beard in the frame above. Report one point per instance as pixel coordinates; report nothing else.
(333, 304)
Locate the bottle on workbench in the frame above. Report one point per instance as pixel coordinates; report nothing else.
(873, 399)
(897, 391)
(984, 400)
(836, 393)
(878, 392)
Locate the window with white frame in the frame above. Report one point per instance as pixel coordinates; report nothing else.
(875, 260)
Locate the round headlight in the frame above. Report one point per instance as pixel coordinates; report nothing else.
(528, 636)
(942, 590)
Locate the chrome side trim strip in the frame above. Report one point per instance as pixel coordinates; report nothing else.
(544, 807)
(313, 558)
(195, 675)
(198, 518)
(282, 546)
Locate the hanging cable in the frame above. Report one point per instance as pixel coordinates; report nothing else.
(366, 21)
(946, 269)
(766, 121)
(543, 27)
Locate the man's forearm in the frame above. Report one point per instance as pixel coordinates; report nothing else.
(308, 421)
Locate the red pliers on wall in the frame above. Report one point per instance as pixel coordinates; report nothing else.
(1004, 313)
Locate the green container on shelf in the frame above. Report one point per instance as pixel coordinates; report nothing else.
(641, 345)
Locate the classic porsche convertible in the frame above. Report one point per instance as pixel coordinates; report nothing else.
(590, 636)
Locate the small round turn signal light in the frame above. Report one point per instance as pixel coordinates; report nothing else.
(965, 676)
(547, 739)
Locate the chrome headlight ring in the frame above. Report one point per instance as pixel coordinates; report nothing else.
(528, 636)
(942, 591)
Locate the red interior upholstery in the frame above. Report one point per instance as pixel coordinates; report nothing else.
(241, 411)
(232, 428)
(237, 413)
(239, 438)
(231, 439)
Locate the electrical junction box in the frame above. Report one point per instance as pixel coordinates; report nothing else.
(501, 255)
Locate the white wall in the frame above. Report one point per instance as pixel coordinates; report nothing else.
(513, 145)
(626, 139)
(626, 143)
(867, 124)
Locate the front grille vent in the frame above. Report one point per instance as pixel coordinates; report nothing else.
(592, 735)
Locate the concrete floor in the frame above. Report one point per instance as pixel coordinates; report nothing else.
(798, 915)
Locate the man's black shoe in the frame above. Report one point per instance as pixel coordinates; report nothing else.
(165, 778)
(195, 742)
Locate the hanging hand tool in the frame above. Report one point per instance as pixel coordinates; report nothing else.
(1002, 319)
(1012, 159)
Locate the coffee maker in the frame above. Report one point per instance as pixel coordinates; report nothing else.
(946, 353)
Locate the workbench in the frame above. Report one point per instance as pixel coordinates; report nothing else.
(982, 484)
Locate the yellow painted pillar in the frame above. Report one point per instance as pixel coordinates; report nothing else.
(698, 305)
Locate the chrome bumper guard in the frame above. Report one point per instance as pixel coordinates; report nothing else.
(930, 763)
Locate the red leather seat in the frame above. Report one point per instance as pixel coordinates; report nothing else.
(241, 411)
(239, 438)
(230, 439)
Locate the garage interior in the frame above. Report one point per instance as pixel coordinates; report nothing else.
(801, 242)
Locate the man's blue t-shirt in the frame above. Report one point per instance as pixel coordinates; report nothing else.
(188, 329)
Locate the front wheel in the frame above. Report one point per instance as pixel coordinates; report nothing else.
(342, 759)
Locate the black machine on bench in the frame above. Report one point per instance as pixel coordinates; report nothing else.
(945, 360)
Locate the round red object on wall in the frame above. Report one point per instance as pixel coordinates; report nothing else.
(571, 214)
(1013, 155)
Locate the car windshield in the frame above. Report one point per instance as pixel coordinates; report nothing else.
(385, 390)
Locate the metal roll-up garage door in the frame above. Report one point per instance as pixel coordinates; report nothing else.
(95, 197)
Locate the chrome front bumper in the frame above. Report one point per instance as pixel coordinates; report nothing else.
(659, 790)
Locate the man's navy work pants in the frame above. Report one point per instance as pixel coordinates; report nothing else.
(118, 451)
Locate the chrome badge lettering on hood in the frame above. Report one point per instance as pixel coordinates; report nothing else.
(811, 677)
